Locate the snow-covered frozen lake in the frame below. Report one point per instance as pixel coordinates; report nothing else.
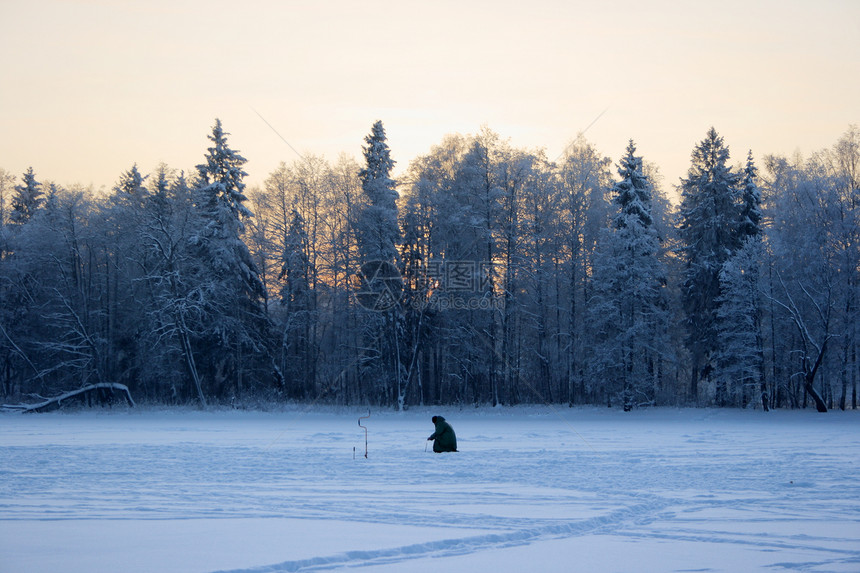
(532, 489)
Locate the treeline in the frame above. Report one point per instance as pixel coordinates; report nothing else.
(487, 274)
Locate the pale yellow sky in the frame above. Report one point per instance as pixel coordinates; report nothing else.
(87, 88)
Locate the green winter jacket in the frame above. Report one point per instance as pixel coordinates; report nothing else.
(444, 438)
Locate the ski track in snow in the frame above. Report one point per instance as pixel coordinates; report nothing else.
(460, 546)
(784, 483)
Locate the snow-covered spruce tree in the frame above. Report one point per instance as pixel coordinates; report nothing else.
(709, 221)
(628, 310)
(739, 358)
(750, 216)
(377, 228)
(377, 235)
(27, 198)
(161, 198)
(295, 268)
(131, 183)
(233, 327)
(298, 345)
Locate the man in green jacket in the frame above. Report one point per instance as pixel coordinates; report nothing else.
(445, 440)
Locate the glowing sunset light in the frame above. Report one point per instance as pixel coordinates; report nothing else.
(91, 87)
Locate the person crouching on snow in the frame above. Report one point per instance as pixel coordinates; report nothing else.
(444, 438)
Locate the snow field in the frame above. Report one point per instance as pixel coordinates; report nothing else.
(542, 489)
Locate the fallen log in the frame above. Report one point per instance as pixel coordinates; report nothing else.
(98, 393)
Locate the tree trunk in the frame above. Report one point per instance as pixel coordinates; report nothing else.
(189, 359)
(816, 397)
(762, 379)
(809, 378)
(843, 399)
(99, 391)
(694, 382)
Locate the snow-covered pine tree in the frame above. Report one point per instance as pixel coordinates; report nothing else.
(633, 193)
(377, 235)
(27, 198)
(739, 359)
(628, 310)
(160, 199)
(131, 183)
(750, 216)
(709, 221)
(221, 198)
(295, 267)
(228, 279)
(377, 228)
(296, 271)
